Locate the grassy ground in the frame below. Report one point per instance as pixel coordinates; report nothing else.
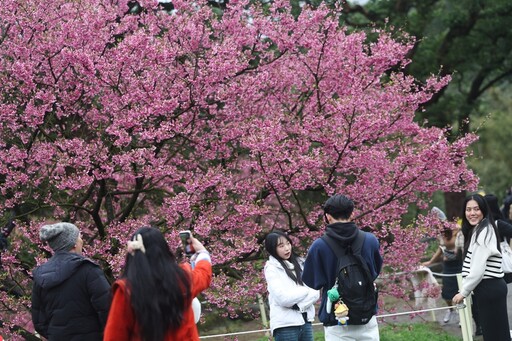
(415, 331)
(418, 328)
(404, 332)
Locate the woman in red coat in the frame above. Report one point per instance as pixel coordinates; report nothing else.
(152, 300)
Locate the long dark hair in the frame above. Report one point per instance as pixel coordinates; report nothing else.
(271, 242)
(494, 208)
(159, 288)
(506, 208)
(487, 220)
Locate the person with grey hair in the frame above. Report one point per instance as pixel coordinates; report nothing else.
(70, 294)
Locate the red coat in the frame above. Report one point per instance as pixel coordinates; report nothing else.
(121, 324)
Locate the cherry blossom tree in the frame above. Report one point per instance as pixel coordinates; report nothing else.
(229, 124)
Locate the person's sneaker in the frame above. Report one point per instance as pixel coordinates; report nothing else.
(447, 316)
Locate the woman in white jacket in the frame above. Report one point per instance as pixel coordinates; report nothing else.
(291, 301)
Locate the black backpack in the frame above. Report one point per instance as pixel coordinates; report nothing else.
(354, 280)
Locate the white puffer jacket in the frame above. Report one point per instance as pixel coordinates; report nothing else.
(284, 293)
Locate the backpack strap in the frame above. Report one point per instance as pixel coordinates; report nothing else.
(340, 250)
(355, 248)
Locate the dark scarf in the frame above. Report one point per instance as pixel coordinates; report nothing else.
(344, 233)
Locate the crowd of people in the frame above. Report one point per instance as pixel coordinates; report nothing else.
(473, 249)
(294, 283)
(153, 298)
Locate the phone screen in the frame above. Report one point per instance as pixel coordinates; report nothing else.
(184, 236)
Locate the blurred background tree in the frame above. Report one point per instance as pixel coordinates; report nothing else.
(470, 40)
(492, 160)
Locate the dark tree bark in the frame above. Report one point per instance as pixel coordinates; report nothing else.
(453, 204)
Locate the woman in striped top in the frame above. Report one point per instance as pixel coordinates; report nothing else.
(481, 271)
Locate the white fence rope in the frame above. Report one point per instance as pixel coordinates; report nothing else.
(444, 275)
(318, 324)
(465, 315)
(437, 274)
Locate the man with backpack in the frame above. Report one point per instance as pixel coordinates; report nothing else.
(344, 263)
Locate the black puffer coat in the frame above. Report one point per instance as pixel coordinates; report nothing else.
(70, 298)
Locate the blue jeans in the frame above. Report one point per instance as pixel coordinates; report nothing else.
(295, 333)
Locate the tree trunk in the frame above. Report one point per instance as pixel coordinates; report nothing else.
(453, 203)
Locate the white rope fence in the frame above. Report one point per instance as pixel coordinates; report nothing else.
(319, 324)
(420, 311)
(464, 313)
(444, 275)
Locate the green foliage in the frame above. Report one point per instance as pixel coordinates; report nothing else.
(469, 40)
(492, 161)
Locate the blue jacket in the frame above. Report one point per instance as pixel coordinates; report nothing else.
(320, 267)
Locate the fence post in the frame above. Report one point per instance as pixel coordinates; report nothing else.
(263, 313)
(466, 323)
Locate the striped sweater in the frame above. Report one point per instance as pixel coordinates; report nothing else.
(483, 260)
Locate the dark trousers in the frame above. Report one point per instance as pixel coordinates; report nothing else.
(491, 300)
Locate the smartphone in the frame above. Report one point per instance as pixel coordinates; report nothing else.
(187, 246)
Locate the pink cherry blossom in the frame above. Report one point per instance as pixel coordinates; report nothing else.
(229, 126)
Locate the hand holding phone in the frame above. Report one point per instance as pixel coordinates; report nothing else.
(187, 243)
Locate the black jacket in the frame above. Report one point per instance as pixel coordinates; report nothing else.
(505, 231)
(70, 298)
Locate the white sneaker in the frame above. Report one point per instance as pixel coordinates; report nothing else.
(447, 316)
